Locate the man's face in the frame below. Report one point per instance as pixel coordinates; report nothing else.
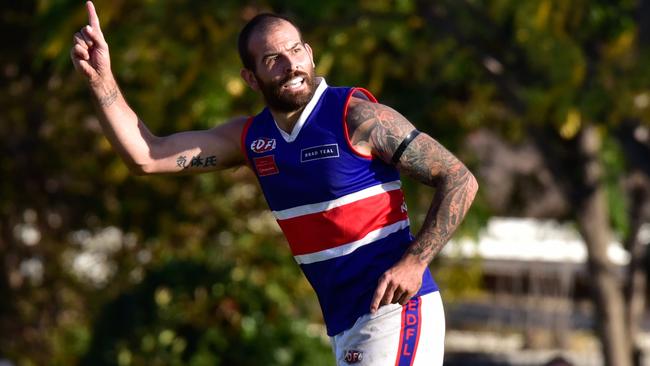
(284, 69)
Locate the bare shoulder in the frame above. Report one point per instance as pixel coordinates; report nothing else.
(361, 111)
(376, 127)
(381, 129)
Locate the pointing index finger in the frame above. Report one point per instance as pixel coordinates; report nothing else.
(93, 19)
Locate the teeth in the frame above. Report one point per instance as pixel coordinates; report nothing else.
(295, 82)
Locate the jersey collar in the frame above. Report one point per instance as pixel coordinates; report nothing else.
(322, 85)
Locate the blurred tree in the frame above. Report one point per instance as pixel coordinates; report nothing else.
(78, 231)
(561, 77)
(566, 81)
(184, 313)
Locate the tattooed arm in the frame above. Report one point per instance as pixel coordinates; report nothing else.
(144, 153)
(378, 130)
(184, 152)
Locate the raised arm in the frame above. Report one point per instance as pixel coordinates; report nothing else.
(142, 151)
(377, 129)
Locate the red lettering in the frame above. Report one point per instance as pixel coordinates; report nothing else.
(410, 332)
(405, 350)
(412, 305)
(411, 319)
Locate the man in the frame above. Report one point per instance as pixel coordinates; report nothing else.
(327, 160)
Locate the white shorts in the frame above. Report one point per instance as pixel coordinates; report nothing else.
(409, 335)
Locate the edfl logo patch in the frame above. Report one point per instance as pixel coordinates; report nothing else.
(353, 356)
(263, 144)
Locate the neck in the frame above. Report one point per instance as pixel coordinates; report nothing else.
(286, 120)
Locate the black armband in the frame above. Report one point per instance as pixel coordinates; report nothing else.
(400, 149)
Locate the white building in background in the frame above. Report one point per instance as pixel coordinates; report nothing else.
(532, 240)
(531, 257)
(536, 282)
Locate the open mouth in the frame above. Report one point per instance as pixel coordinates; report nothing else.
(294, 83)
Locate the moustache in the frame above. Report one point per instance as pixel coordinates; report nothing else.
(292, 75)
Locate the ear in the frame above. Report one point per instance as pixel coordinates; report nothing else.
(249, 78)
(311, 54)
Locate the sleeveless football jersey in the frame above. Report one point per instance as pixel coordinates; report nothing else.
(343, 213)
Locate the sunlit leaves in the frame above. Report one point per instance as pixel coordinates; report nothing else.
(452, 67)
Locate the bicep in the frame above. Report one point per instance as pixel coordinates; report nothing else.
(426, 160)
(376, 128)
(198, 151)
(382, 130)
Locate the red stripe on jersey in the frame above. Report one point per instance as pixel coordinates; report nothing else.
(344, 224)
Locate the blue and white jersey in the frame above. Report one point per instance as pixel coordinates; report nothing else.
(343, 213)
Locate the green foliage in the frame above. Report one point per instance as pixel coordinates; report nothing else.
(460, 280)
(614, 165)
(190, 313)
(198, 272)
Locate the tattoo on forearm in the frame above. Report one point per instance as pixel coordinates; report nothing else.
(447, 211)
(196, 161)
(429, 162)
(425, 160)
(109, 98)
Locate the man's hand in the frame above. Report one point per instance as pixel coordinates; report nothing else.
(399, 283)
(378, 130)
(89, 50)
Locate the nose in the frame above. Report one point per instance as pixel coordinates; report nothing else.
(291, 63)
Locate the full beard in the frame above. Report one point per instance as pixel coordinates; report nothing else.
(281, 100)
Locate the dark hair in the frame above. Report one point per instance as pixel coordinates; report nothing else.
(259, 22)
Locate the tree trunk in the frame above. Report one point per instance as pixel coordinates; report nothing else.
(636, 276)
(593, 221)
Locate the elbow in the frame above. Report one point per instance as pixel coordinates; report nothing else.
(472, 186)
(144, 169)
(138, 168)
(137, 162)
(140, 164)
(464, 181)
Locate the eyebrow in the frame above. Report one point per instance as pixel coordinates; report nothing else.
(299, 43)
